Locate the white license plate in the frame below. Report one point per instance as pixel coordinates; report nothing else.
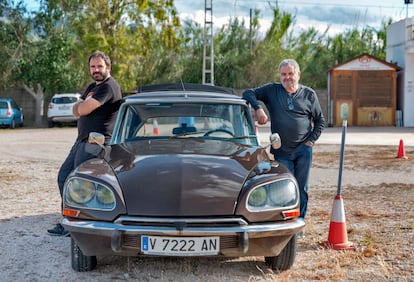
(64, 108)
(180, 246)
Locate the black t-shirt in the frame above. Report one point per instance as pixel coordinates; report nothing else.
(102, 119)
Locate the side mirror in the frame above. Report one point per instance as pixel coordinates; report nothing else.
(96, 138)
(275, 141)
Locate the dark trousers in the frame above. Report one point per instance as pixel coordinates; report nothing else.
(77, 155)
(299, 164)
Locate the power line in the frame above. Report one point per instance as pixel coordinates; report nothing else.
(328, 4)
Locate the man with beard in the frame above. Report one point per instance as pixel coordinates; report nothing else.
(97, 110)
(295, 113)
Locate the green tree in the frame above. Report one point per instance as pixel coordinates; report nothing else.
(354, 42)
(37, 55)
(270, 50)
(46, 52)
(232, 46)
(14, 29)
(309, 50)
(140, 36)
(191, 48)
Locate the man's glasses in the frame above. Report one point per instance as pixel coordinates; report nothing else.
(290, 103)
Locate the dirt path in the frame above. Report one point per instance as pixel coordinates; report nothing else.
(378, 192)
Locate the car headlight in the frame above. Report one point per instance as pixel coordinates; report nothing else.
(258, 197)
(87, 194)
(273, 195)
(81, 191)
(104, 195)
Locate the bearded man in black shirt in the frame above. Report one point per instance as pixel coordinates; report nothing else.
(97, 110)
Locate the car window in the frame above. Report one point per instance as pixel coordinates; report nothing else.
(227, 122)
(3, 105)
(64, 100)
(14, 104)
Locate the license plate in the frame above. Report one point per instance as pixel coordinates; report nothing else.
(180, 246)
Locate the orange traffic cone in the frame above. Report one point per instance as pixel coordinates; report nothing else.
(155, 129)
(401, 151)
(338, 237)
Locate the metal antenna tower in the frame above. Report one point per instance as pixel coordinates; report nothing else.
(208, 50)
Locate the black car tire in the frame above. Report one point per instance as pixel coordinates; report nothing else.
(80, 262)
(286, 257)
(13, 124)
(50, 124)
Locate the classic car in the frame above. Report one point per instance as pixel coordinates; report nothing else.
(183, 175)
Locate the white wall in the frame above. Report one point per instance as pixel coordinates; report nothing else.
(408, 97)
(396, 43)
(400, 50)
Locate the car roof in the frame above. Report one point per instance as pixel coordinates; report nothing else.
(179, 91)
(168, 87)
(66, 94)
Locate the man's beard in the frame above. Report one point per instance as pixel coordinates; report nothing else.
(99, 76)
(289, 84)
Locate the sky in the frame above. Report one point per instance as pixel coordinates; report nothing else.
(320, 14)
(338, 15)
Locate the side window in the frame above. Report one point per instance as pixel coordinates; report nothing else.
(129, 126)
(14, 105)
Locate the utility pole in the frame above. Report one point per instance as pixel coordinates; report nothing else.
(407, 2)
(208, 50)
(251, 31)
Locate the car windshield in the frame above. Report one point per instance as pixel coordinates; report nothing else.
(64, 100)
(228, 122)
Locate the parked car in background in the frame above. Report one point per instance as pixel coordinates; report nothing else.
(11, 115)
(183, 175)
(60, 107)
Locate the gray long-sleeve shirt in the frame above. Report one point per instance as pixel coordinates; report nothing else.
(304, 122)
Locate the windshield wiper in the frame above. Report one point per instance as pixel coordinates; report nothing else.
(184, 134)
(244, 137)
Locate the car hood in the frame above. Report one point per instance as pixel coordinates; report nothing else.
(183, 177)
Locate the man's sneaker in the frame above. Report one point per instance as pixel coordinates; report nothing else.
(58, 230)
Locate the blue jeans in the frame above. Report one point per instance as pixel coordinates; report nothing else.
(77, 155)
(299, 164)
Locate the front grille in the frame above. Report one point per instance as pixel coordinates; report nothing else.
(180, 223)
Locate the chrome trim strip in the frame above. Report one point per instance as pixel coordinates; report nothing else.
(170, 220)
(255, 231)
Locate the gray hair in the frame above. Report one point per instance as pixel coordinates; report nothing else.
(289, 62)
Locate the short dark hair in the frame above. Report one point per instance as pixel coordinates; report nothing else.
(102, 55)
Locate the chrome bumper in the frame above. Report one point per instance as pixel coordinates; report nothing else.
(257, 230)
(102, 238)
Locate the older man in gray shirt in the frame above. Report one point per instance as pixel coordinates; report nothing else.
(295, 113)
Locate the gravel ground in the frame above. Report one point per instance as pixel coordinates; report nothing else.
(377, 189)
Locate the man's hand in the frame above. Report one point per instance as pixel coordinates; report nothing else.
(309, 143)
(85, 107)
(261, 116)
